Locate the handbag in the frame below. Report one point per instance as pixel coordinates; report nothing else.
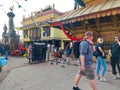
(96, 52)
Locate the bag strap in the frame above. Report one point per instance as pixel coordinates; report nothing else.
(88, 47)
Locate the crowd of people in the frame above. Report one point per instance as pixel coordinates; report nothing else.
(87, 48)
(83, 51)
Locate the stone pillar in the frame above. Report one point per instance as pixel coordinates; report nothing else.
(12, 32)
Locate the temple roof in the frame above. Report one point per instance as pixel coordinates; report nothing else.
(39, 14)
(107, 8)
(48, 10)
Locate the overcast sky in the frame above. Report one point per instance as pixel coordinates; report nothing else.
(29, 6)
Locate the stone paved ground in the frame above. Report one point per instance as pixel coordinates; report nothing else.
(43, 76)
(14, 62)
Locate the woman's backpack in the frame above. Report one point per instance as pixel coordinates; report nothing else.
(96, 53)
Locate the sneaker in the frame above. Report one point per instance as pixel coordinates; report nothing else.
(98, 78)
(103, 80)
(114, 77)
(76, 88)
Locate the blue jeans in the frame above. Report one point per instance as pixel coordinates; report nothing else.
(100, 61)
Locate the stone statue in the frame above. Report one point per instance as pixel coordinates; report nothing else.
(5, 35)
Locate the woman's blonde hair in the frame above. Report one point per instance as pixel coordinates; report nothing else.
(100, 40)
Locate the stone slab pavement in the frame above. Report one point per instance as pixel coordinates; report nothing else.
(13, 62)
(43, 76)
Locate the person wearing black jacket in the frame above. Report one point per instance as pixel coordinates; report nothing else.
(7, 49)
(76, 51)
(114, 52)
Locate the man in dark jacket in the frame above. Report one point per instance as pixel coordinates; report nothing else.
(76, 52)
(114, 52)
(7, 49)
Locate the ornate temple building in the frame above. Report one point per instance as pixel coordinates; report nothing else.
(100, 16)
(37, 28)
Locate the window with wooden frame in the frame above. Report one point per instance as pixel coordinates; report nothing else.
(46, 30)
(107, 19)
(26, 34)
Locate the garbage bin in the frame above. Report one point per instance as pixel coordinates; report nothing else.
(38, 52)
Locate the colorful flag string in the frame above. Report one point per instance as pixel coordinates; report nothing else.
(20, 6)
(2, 8)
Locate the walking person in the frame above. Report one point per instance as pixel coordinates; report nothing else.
(114, 52)
(76, 52)
(7, 50)
(100, 60)
(68, 52)
(52, 49)
(29, 50)
(48, 52)
(86, 54)
(0, 49)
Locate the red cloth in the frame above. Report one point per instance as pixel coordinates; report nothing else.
(56, 54)
(16, 52)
